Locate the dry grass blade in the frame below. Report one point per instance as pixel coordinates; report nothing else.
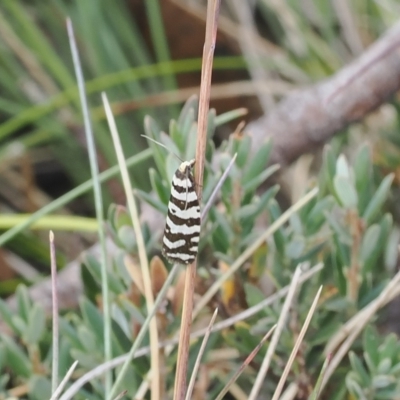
(199, 356)
(217, 188)
(317, 389)
(274, 341)
(204, 98)
(347, 18)
(290, 392)
(303, 331)
(245, 364)
(155, 382)
(121, 395)
(55, 347)
(98, 200)
(61, 386)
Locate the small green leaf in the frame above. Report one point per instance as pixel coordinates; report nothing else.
(210, 150)
(296, 224)
(359, 369)
(246, 213)
(295, 247)
(345, 191)
(85, 358)
(69, 332)
(338, 269)
(253, 294)
(380, 196)
(389, 348)
(121, 331)
(7, 316)
(251, 211)
(363, 175)
(383, 381)
(127, 238)
(338, 304)
(155, 203)
(17, 360)
(386, 225)
(316, 217)
(222, 234)
(170, 147)
(171, 165)
(93, 265)
(153, 131)
(131, 381)
(210, 184)
(342, 234)
(354, 387)
(64, 356)
(119, 216)
(242, 150)
(324, 333)
(368, 361)
(251, 185)
(384, 366)
(90, 340)
(190, 150)
(391, 250)
(133, 311)
(279, 237)
(187, 115)
(3, 353)
(369, 242)
(39, 387)
(177, 137)
(92, 318)
(36, 325)
(370, 344)
(328, 170)
(158, 186)
(247, 340)
(19, 323)
(23, 301)
(230, 116)
(258, 162)
(342, 167)
(395, 369)
(186, 127)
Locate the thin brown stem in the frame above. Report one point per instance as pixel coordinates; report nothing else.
(206, 72)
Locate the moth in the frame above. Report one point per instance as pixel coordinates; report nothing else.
(182, 227)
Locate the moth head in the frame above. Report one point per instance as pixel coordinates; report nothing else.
(186, 165)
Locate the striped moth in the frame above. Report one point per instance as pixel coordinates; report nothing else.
(182, 226)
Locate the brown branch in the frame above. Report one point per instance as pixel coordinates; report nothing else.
(309, 117)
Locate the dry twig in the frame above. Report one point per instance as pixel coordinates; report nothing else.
(204, 100)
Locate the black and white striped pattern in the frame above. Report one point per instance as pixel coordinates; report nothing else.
(182, 228)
